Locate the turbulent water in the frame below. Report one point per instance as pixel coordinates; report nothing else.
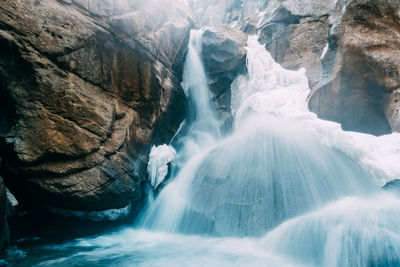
(284, 189)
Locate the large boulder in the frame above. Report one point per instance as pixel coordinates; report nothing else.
(360, 74)
(224, 57)
(86, 88)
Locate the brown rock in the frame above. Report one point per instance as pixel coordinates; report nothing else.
(83, 98)
(362, 68)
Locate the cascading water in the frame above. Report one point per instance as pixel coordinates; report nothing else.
(201, 128)
(257, 178)
(199, 131)
(355, 231)
(285, 189)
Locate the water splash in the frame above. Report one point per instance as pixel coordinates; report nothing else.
(271, 90)
(351, 232)
(282, 170)
(199, 132)
(201, 127)
(263, 175)
(268, 171)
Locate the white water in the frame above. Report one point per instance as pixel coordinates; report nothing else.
(285, 168)
(201, 128)
(355, 231)
(270, 89)
(286, 189)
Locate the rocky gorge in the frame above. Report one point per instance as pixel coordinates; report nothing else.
(84, 96)
(88, 87)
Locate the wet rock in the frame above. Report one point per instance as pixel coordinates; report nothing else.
(296, 42)
(349, 50)
(361, 69)
(83, 98)
(224, 57)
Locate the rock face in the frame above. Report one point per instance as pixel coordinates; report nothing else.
(224, 57)
(296, 36)
(86, 88)
(361, 71)
(349, 49)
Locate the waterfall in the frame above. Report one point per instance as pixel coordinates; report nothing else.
(355, 231)
(198, 133)
(283, 189)
(280, 176)
(200, 128)
(260, 176)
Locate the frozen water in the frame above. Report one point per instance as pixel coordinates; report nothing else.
(157, 168)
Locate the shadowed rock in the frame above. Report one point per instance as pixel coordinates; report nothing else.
(224, 57)
(361, 69)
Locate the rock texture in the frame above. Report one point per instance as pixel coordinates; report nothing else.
(224, 57)
(86, 88)
(360, 74)
(349, 49)
(295, 34)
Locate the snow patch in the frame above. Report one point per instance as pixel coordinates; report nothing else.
(157, 168)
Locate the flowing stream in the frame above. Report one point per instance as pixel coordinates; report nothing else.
(284, 189)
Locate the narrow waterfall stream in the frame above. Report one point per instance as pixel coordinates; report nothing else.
(198, 133)
(284, 189)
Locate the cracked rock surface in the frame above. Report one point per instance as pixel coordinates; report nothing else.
(86, 88)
